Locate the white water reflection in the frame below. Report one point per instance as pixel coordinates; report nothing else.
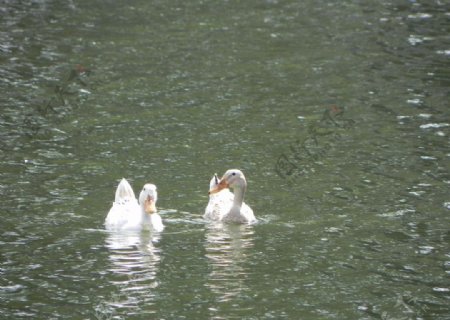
(227, 249)
(134, 263)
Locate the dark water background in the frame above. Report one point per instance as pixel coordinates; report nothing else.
(337, 112)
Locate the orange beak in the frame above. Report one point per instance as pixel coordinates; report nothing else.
(222, 185)
(149, 205)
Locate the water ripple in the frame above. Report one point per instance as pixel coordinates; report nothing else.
(134, 260)
(227, 247)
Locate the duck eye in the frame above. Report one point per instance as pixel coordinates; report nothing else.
(234, 173)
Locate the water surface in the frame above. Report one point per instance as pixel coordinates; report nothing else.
(336, 112)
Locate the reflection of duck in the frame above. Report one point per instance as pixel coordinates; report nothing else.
(133, 272)
(227, 248)
(225, 206)
(127, 214)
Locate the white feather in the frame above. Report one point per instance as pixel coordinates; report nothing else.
(225, 205)
(127, 214)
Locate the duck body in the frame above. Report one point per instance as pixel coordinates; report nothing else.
(226, 206)
(127, 213)
(219, 203)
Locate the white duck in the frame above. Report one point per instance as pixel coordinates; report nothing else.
(127, 214)
(215, 208)
(226, 206)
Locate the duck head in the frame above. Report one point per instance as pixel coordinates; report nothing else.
(233, 178)
(148, 198)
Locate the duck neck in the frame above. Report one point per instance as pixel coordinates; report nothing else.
(239, 192)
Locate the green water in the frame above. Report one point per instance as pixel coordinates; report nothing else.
(337, 112)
